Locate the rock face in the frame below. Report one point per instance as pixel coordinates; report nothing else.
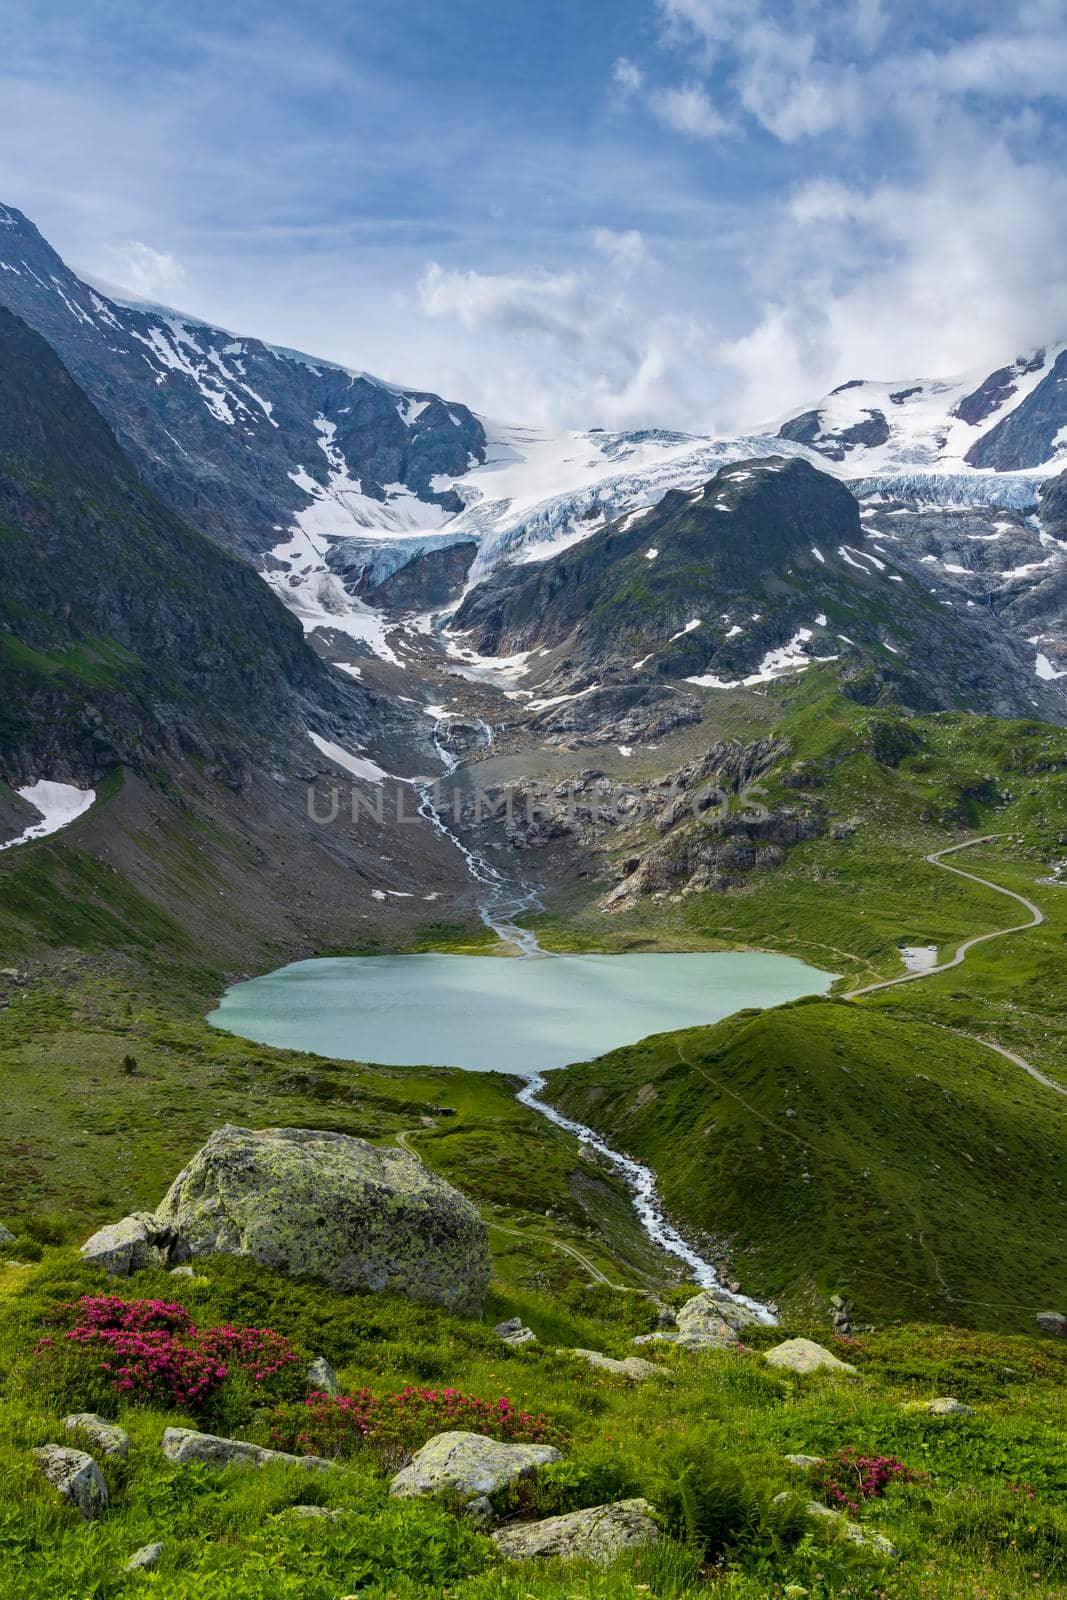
(183, 1445)
(324, 1205)
(77, 1478)
(1053, 1322)
(105, 1438)
(634, 1368)
(469, 1465)
(804, 1355)
(598, 1534)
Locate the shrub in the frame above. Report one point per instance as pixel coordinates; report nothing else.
(398, 1424)
(848, 1479)
(149, 1351)
(709, 1504)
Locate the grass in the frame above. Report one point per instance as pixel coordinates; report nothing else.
(828, 1147)
(983, 1518)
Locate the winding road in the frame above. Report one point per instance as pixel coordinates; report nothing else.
(1037, 916)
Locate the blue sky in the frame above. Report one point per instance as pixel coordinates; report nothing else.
(689, 212)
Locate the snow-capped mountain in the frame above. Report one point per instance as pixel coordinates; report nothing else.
(1013, 420)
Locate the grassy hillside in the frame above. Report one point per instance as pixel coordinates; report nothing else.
(825, 1148)
(978, 1511)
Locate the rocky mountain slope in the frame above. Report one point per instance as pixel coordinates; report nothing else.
(757, 573)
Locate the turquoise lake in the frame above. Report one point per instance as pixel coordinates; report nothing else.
(489, 1013)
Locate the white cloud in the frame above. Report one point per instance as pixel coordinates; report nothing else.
(688, 110)
(627, 77)
(148, 273)
(626, 249)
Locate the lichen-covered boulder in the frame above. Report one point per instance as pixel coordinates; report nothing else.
(185, 1445)
(469, 1465)
(106, 1438)
(598, 1534)
(706, 1312)
(77, 1478)
(321, 1378)
(634, 1368)
(351, 1214)
(944, 1405)
(132, 1244)
(804, 1355)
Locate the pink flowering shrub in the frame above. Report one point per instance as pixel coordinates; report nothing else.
(848, 1479)
(149, 1351)
(397, 1424)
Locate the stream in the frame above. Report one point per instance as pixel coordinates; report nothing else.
(498, 910)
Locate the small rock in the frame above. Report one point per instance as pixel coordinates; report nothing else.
(469, 1465)
(145, 1557)
(1053, 1322)
(943, 1406)
(598, 1534)
(734, 1288)
(76, 1476)
(803, 1462)
(316, 1513)
(804, 1355)
(852, 1530)
(6, 1236)
(128, 1246)
(479, 1511)
(182, 1445)
(184, 1271)
(105, 1437)
(321, 1378)
(633, 1367)
(513, 1332)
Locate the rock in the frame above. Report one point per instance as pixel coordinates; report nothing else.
(6, 1236)
(76, 1476)
(633, 1367)
(183, 1445)
(145, 1557)
(105, 1438)
(707, 1310)
(321, 1378)
(184, 1271)
(469, 1465)
(852, 1530)
(804, 1355)
(598, 1534)
(348, 1213)
(128, 1246)
(943, 1406)
(1053, 1322)
(803, 1462)
(513, 1332)
(714, 1335)
(316, 1513)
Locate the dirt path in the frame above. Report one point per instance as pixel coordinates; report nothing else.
(534, 1238)
(1037, 916)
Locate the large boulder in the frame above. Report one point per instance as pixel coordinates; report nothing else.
(77, 1478)
(1053, 1322)
(804, 1355)
(598, 1534)
(470, 1466)
(350, 1214)
(707, 1311)
(185, 1445)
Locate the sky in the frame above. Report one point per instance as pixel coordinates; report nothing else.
(622, 213)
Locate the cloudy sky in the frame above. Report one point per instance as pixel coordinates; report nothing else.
(696, 213)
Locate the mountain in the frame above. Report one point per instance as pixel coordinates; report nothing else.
(1011, 420)
(759, 572)
(234, 434)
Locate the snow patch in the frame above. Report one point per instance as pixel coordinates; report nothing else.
(59, 805)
